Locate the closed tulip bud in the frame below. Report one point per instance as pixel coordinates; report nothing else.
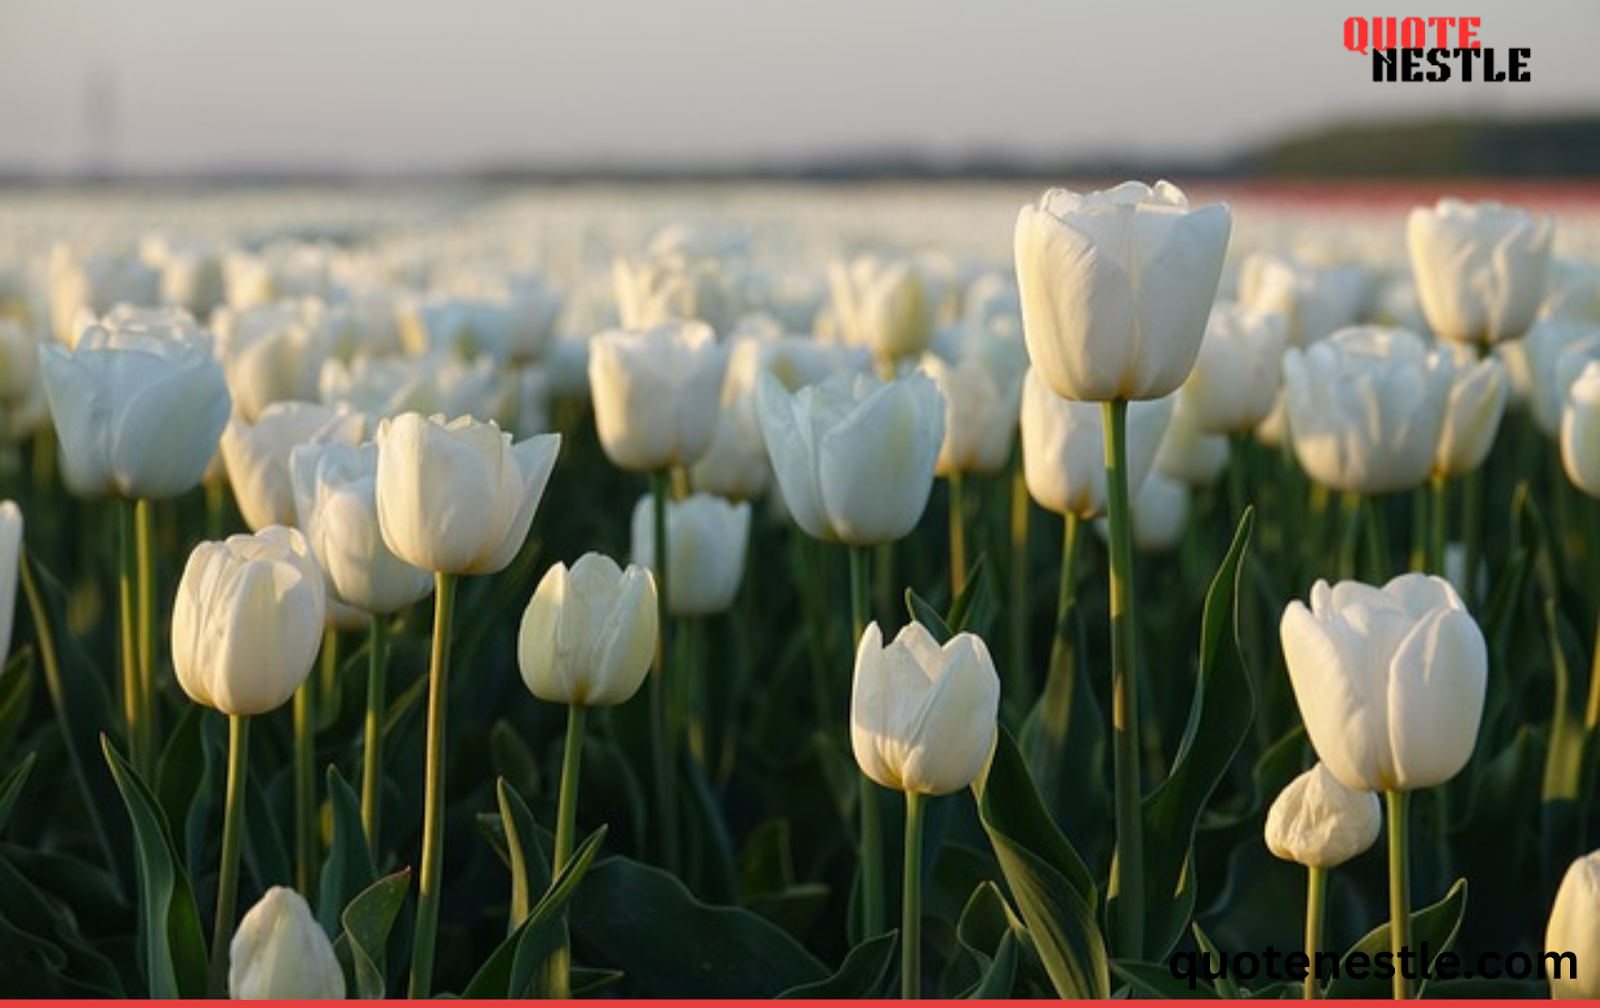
(589, 634)
(280, 952)
(1064, 448)
(1320, 823)
(1390, 681)
(922, 716)
(336, 501)
(707, 536)
(1116, 287)
(138, 413)
(1236, 378)
(248, 620)
(1189, 455)
(1365, 409)
(980, 409)
(656, 394)
(854, 457)
(457, 497)
(1471, 417)
(1480, 268)
(1575, 927)
(1160, 515)
(10, 561)
(1580, 431)
(257, 455)
(882, 304)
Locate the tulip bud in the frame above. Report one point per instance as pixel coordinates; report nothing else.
(1580, 431)
(1064, 448)
(1116, 287)
(1160, 515)
(883, 305)
(1472, 416)
(707, 536)
(1320, 823)
(1237, 375)
(589, 634)
(1312, 301)
(671, 288)
(280, 952)
(1480, 268)
(1189, 455)
(1390, 681)
(980, 408)
(257, 455)
(656, 394)
(922, 716)
(10, 562)
(248, 620)
(1575, 927)
(458, 497)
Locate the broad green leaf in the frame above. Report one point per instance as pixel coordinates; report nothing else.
(1000, 976)
(530, 871)
(922, 611)
(864, 973)
(1048, 880)
(1155, 980)
(991, 936)
(1562, 792)
(175, 951)
(795, 909)
(366, 924)
(348, 869)
(1435, 926)
(51, 957)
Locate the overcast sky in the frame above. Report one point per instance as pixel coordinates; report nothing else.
(406, 85)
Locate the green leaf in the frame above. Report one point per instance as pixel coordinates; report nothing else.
(16, 696)
(47, 956)
(863, 974)
(1562, 791)
(1219, 720)
(1000, 978)
(1226, 986)
(1051, 885)
(1436, 926)
(1155, 980)
(175, 951)
(795, 909)
(644, 922)
(974, 609)
(348, 869)
(11, 786)
(991, 935)
(521, 837)
(366, 923)
(922, 611)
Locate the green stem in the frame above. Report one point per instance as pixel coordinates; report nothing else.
(1472, 534)
(911, 903)
(428, 887)
(1438, 524)
(664, 751)
(1350, 515)
(372, 741)
(1316, 891)
(305, 785)
(1399, 803)
(144, 558)
(1376, 540)
(567, 808)
(232, 839)
(127, 592)
(214, 508)
(1591, 713)
(874, 913)
(1238, 477)
(1017, 597)
(1127, 869)
(958, 536)
(695, 715)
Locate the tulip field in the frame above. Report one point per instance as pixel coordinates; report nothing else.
(923, 590)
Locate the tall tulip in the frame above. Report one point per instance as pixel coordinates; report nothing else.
(1480, 268)
(882, 304)
(1574, 930)
(282, 953)
(1477, 400)
(656, 394)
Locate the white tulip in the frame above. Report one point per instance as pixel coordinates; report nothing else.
(1064, 449)
(588, 635)
(1472, 416)
(1313, 301)
(280, 952)
(1480, 268)
(980, 408)
(1575, 927)
(1318, 822)
(1236, 378)
(707, 537)
(1189, 455)
(1580, 431)
(257, 455)
(656, 394)
(882, 304)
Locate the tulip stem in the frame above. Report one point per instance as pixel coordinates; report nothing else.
(372, 742)
(1471, 533)
(958, 537)
(1399, 803)
(428, 887)
(874, 915)
(1316, 891)
(144, 557)
(911, 902)
(567, 807)
(661, 740)
(127, 591)
(305, 785)
(1127, 868)
(1017, 597)
(232, 839)
(1438, 523)
(1350, 515)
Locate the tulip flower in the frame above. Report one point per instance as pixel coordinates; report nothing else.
(1390, 682)
(656, 394)
(1580, 431)
(707, 536)
(1546, 362)
(1238, 372)
(668, 288)
(735, 463)
(1189, 455)
(96, 284)
(1571, 290)
(1472, 415)
(1366, 407)
(281, 953)
(1063, 448)
(455, 498)
(1160, 515)
(257, 455)
(1575, 928)
(1313, 301)
(1320, 823)
(882, 304)
(10, 562)
(1480, 268)
(923, 720)
(270, 353)
(389, 386)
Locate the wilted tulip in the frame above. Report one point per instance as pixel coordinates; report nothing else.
(882, 304)
(589, 633)
(336, 502)
(457, 497)
(281, 952)
(1365, 408)
(1575, 927)
(656, 394)
(1116, 287)
(1480, 268)
(10, 560)
(1472, 416)
(980, 409)
(248, 621)
(138, 413)
(1236, 378)
(1318, 822)
(854, 457)
(922, 716)
(1390, 681)
(1064, 453)
(708, 536)
(257, 455)
(1580, 431)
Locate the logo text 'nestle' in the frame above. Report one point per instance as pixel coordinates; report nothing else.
(1432, 49)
